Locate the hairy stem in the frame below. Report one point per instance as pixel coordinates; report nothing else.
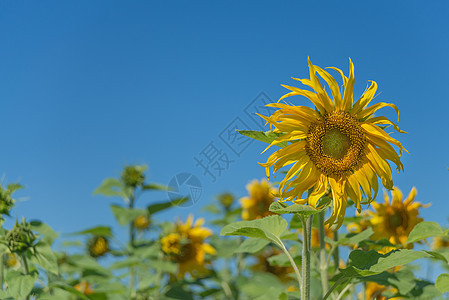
(323, 260)
(307, 228)
(295, 267)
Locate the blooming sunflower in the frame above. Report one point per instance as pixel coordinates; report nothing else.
(394, 220)
(186, 246)
(257, 204)
(340, 144)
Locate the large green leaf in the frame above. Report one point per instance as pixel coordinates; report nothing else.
(252, 245)
(20, 285)
(111, 187)
(48, 234)
(300, 209)
(424, 230)
(366, 263)
(45, 257)
(270, 228)
(266, 137)
(124, 215)
(352, 238)
(157, 207)
(442, 283)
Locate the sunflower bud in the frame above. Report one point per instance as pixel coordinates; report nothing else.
(226, 199)
(20, 238)
(132, 176)
(98, 246)
(142, 222)
(6, 201)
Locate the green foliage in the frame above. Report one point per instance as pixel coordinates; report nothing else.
(365, 263)
(270, 228)
(266, 137)
(424, 230)
(442, 283)
(302, 210)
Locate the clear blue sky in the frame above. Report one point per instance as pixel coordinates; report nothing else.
(87, 87)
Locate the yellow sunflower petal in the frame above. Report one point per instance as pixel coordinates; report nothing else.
(365, 99)
(349, 87)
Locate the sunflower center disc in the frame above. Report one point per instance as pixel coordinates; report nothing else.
(396, 220)
(336, 144)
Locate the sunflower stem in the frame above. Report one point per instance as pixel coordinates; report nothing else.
(25, 266)
(307, 230)
(336, 254)
(295, 267)
(323, 260)
(132, 284)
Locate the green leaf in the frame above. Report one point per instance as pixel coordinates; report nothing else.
(125, 216)
(424, 230)
(352, 238)
(155, 186)
(225, 246)
(366, 263)
(304, 210)
(48, 234)
(270, 228)
(442, 283)
(282, 260)
(64, 286)
(252, 245)
(97, 231)
(45, 257)
(111, 187)
(261, 286)
(20, 285)
(266, 137)
(12, 187)
(154, 208)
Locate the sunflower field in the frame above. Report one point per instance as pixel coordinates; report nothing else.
(224, 150)
(289, 239)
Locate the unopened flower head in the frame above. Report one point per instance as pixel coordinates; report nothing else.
(142, 222)
(98, 246)
(339, 143)
(20, 238)
(132, 176)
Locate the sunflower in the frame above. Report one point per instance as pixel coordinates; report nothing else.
(395, 219)
(186, 246)
(440, 243)
(338, 144)
(257, 204)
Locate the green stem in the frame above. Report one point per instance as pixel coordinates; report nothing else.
(307, 228)
(132, 284)
(25, 267)
(323, 260)
(295, 267)
(336, 254)
(2, 269)
(337, 283)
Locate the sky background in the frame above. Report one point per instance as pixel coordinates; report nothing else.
(87, 87)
